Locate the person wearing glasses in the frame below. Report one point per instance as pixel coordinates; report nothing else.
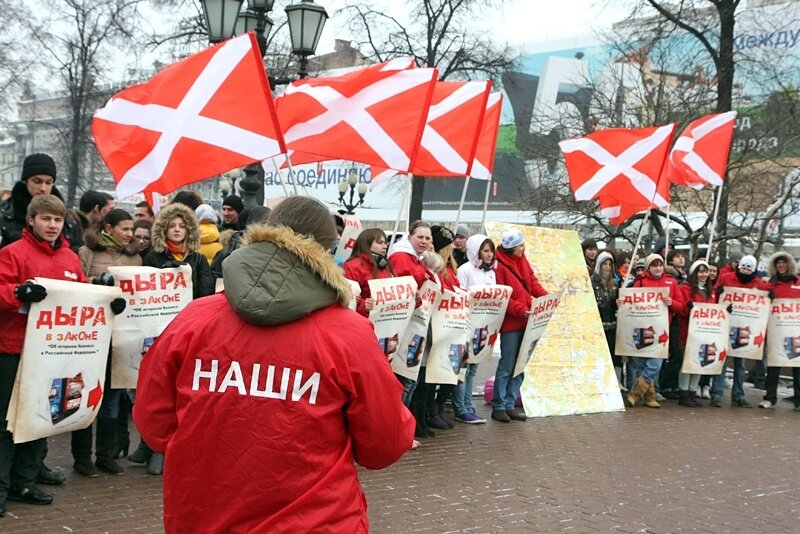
(141, 236)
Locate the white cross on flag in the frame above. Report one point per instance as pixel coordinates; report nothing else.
(205, 115)
(700, 155)
(451, 131)
(374, 115)
(621, 167)
(483, 163)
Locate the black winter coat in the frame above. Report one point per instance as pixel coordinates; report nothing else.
(13, 213)
(606, 302)
(202, 280)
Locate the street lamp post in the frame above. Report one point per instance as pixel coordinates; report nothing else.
(224, 19)
(353, 185)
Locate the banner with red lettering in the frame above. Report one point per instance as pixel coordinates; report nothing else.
(748, 328)
(783, 333)
(415, 339)
(394, 303)
(542, 310)
(450, 330)
(154, 297)
(347, 241)
(707, 343)
(487, 309)
(643, 322)
(61, 374)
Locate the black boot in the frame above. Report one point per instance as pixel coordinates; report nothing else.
(418, 409)
(142, 454)
(82, 453)
(123, 436)
(685, 399)
(106, 439)
(693, 398)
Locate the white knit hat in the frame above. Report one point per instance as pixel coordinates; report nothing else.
(696, 265)
(748, 262)
(512, 238)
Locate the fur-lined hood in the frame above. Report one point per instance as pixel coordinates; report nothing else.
(94, 243)
(771, 271)
(159, 233)
(278, 276)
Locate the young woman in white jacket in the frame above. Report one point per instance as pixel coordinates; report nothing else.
(478, 271)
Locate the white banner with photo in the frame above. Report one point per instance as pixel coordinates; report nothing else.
(62, 369)
(394, 303)
(409, 355)
(450, 327)
(749, 318)
(487, 309)
(154, 298)
(707, 343)
(542, 310)
(783, 333)
(643, 323)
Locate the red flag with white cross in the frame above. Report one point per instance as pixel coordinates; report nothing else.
(483, 162)
(700, 154)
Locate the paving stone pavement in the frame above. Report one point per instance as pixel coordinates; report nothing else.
(669, 470)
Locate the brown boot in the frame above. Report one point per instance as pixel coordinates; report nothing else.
(637, 391)
(650, 397)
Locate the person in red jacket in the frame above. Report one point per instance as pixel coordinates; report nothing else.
(744, 277)
(785, 284)
(698, 289)
(367, 262)
(43, 252)
(264, 397)
(733, 263)
(406, 254)
(648, 368)
(514, 270)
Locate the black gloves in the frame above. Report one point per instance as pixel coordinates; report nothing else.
(689, 305)
(730, 308)
(103, 279)
(719, 290)
(118, 305)
(30, 292)
(771, 294)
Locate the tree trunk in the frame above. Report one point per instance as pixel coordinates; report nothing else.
(75, 154)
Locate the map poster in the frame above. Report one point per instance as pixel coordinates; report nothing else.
(487, 309)
(394, 304)
(707, 343)
(783, 333)
(542, 310)
(748, 321)
(415, 339)
(643, 323)
(572, 372)
(451, 335)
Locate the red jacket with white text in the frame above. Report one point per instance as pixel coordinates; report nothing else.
(265, 396)
(23, 260)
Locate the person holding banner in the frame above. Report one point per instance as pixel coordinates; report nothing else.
(42, 251)
(647, 368)
(406, 254)
(367, 262)
(109, 245)
(478, 271)
(697, 289)
(743, 277)
(606, 290)
(260, 399)
(514, 270)
(785, 284)
(176, 241)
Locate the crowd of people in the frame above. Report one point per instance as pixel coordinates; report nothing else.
(275, 278)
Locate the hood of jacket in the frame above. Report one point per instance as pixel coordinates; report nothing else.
(474, 248)
(159, 233)
(405, 246)
(95, 243)
(209, 233)
(601, 258)
(771, 271)
(278, 276)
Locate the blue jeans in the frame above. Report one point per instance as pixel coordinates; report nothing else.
(408, 388)
(648, 368)
(462, 398)
(506, 386)
(718, 385)
(109, 408)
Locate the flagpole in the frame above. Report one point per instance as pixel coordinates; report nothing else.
(486, 202)
(403, 203)
(461, 203)
(666, 233)
(292, 175)
(280, 175)
(636, 246)
(714, 222)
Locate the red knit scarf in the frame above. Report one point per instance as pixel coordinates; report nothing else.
(175, 251)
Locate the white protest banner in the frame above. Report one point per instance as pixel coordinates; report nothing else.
(487, 309)
(413, 341)
(355, 289)
(542, 310)
(643, 322)
(783, 333)
(352, 228)
(154, 297)
(394, 304)
(748, 321)
(63, 364)
(707, 343)
(451, 336)
(219, 285)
